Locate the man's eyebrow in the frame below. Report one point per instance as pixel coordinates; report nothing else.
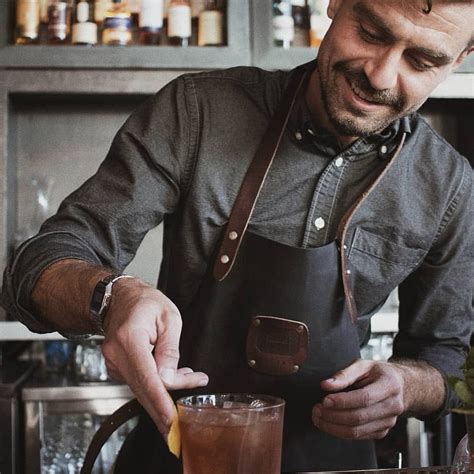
(438, 57)
(364, 12)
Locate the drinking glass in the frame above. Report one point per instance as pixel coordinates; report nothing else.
(231, 433)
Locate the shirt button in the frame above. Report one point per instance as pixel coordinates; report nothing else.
(298, 135)
(319, 223)
(339, 162)
(383, 149)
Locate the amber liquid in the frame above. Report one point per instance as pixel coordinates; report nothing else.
(231, 447)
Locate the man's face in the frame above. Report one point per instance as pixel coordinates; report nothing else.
(380, 60)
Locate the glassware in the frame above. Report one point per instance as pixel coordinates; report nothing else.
(42, 188)
(232, 433)
(90, 363)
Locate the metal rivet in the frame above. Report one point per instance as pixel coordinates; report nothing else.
(300, 329)
(311, 131)
(252, 363)
(348, 272)
(383, 149)
(225, 259)
(296, 368)
(298, 135)
(339, 162)
(233, 235)
(344, 247)
(256, 322)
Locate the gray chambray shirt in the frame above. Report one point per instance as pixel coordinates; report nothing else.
(181, 157)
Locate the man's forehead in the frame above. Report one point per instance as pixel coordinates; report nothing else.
(453, 18)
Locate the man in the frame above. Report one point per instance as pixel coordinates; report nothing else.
(362, 196)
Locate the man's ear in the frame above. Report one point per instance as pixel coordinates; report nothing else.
(333, 8)
(462, 56)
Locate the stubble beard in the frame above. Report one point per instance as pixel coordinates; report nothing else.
(349, 122)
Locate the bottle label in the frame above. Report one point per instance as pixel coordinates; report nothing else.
(84, 33)
(117, 30)
(58, 24)
(179, 21)
(210, 30)
(151, 14)
(283, 28)
(27, 18)
(100, 9)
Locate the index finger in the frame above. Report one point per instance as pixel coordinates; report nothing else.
(359, 398)
(146, 384)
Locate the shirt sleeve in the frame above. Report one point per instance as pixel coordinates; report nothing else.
(142, 178)
(436, 301)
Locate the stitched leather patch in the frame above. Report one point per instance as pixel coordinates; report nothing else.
(276, 346)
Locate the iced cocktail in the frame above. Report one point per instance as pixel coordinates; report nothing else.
(231, 433)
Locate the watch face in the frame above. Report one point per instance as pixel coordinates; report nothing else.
(97, 297)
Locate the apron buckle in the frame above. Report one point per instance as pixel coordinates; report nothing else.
(276, 346)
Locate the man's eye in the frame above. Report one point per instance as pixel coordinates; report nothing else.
(369, 36)
(420, 65)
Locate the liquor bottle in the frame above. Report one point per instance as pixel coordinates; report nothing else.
(151, 22)
(101, 7)
(59, 22)
(27, 21)
(300, 14)
(43, 27)
(117, 28)
(197, 7)
(283, 24)
(84, 30)
(320, 22)
(179, 22)
(211, 25)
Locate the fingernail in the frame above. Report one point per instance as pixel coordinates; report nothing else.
(167, 375)
(317, 411)
(331, 380)
(327, 402)
(203, 382)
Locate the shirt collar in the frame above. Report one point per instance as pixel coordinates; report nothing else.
(309, 134)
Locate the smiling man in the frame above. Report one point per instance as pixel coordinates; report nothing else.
(270, 274)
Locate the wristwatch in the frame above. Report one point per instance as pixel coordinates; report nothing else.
(101, 299)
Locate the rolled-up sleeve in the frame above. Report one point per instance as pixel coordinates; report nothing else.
(436, 301)
(104, 221)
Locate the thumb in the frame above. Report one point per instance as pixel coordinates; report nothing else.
(346, 377)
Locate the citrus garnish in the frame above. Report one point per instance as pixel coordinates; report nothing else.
(174, 435)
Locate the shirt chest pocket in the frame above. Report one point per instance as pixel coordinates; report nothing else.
(378, 265)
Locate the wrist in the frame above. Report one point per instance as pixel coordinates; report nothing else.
(101, 299)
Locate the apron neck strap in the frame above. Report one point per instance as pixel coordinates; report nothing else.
(341, 235)
(255, 176)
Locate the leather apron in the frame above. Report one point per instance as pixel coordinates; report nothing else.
(266, 308)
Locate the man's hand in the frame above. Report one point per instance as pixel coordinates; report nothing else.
(142, 328)
(370, 395)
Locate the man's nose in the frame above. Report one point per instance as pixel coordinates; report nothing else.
(382, 71)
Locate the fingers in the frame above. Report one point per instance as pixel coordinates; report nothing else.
(167, 357)
(352, 374)
(368, 409)
(143, 379)
(368, 423)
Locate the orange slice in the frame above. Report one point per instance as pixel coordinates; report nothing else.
(174, 435)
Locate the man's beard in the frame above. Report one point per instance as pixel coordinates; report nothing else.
(348, 122)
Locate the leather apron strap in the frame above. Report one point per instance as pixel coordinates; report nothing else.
(255, 177)
(126, 412)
